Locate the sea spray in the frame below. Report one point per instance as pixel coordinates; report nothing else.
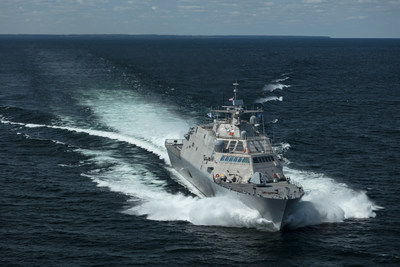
(269, 98)
(326, 200)
(151, 199)
(275, 86)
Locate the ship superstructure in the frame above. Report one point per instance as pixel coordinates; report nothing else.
(231, 156)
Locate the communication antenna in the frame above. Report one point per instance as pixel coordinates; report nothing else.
(235, 89)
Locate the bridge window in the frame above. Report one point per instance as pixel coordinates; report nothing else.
(239, 146)
(258, 145)
(232, 145)
(263, 159)
(233, 159)
(246, 160)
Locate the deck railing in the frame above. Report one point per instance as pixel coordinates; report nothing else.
(174, 141)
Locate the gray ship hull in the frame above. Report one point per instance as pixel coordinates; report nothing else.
(273, 210)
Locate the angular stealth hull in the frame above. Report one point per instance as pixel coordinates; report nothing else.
(273, 210)
(231, 156)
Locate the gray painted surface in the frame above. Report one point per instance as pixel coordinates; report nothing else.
(231, 157)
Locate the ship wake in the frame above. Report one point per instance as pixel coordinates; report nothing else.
(135, 120)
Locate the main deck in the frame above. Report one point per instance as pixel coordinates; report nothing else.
(174, 146)
(280, 190)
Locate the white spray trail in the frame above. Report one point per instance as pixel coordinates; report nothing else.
(275, 86)
(281, 79)
(130, 114)
(269, 98)
(326, 200)
(149, 197)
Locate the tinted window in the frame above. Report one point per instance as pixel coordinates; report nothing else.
(239, 146)
(232, 145)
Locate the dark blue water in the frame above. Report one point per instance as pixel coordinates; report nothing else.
(85, 180)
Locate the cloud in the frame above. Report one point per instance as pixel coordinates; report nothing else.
(191, 8)
(356, 17)
(269, 17)
(121, 8)
(313, 1)
(368, 1)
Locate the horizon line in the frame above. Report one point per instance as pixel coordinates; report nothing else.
(185, 35)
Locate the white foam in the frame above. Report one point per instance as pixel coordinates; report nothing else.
(281, 148)
(326, 200)
(269, 98)
(146, 123)
(222, 211)
(280, 79)
(151, 199)
(106, 134)
(275, 86)
(156, 149)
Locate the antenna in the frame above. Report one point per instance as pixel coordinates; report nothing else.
(235, 90)
(223, 98)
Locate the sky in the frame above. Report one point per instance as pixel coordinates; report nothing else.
(334, 18)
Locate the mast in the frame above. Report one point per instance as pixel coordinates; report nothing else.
(235, 90)
(237, 105)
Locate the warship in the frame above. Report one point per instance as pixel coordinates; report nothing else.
(233, 156)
